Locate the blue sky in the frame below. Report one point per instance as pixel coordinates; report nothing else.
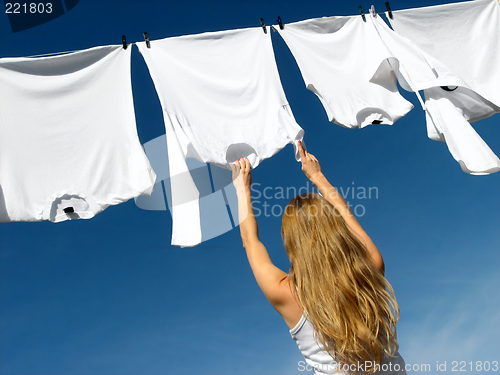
(111, 296)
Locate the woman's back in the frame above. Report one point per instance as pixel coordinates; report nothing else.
(336, 301)
(346, 297)
(320, 361)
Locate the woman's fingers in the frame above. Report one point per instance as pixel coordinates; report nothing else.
(304, 155)
(243, 164)
(302, 152)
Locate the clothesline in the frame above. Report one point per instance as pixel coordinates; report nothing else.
(52, 54)
(280, 23)
(68, 128)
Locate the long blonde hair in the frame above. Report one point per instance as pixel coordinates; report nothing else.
(349, 302)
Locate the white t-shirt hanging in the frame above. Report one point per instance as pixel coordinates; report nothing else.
(465, 37)
(337, 57)
(452, 96)
(222, 99)
(68, 139)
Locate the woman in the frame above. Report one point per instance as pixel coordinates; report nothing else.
(339, 307)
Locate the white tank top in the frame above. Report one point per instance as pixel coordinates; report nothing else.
(322, 363)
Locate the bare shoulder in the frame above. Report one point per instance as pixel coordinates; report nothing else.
(288, 306)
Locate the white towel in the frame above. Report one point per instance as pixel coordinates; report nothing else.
(68, 140)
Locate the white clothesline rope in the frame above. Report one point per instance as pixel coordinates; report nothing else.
(52, 54)
(372, 11)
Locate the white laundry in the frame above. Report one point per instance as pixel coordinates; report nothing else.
(464, 36)
(448, 124)
(447, 112)
(337, 57)
(68, 139)
(465, 39)
(414, 69)
(218, 204)
(222, 99)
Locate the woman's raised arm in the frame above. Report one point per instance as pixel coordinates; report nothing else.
(312, 169)
(272, 281)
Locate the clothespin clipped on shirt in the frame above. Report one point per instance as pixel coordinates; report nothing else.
(389, 10)
(281, 23)
(361, 12)
(263, 25)
(124, 41)
(146, 38)
(372, 11)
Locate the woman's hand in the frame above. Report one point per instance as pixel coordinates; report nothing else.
(310, 165)
(242, 176)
